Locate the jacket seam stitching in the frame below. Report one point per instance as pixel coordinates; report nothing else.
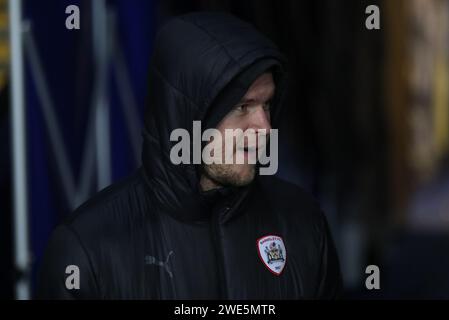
(174, 87)
(213, 37)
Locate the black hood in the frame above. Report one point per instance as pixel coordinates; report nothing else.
(202, 64)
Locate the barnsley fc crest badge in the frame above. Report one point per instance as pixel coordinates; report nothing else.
(272, 252)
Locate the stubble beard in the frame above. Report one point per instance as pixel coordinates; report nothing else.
(230, 174)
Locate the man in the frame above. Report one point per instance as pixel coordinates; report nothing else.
(199, 231)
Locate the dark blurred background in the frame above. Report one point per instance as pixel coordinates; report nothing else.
(365, 129)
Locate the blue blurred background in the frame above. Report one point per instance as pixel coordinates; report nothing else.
(366, 126)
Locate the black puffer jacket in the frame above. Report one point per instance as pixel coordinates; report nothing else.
(155, 235)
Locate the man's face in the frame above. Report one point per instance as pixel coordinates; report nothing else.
(252, 112)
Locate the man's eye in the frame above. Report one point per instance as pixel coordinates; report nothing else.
(241, 107)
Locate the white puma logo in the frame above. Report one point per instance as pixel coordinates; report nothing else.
(152, 260)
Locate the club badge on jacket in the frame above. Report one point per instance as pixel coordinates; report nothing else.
(272, 252)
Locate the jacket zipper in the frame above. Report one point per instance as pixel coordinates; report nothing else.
(219, 255)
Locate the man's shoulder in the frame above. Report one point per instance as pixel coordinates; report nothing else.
(95, 235)
(109, 208)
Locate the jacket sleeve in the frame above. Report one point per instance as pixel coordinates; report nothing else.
(330, 282)
(65, 260)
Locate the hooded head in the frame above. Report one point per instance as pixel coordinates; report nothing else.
(203, 64)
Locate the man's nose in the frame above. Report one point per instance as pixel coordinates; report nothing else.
(260, 119)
